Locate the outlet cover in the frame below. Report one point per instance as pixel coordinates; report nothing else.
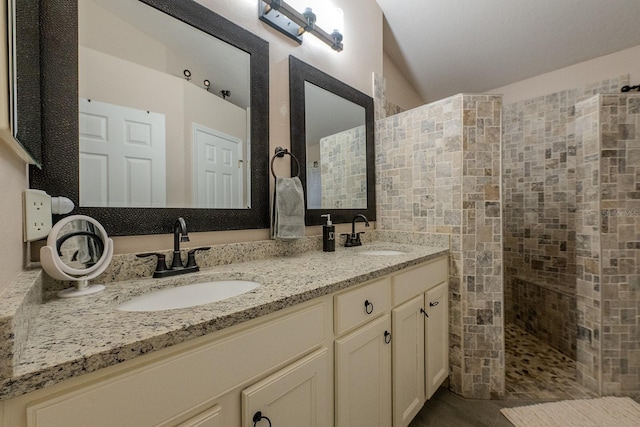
(37, 215)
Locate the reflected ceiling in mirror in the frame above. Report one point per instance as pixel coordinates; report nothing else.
(332, 136)
(164, 111)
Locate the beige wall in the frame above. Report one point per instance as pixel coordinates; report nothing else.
(399, 91)
(613, 65)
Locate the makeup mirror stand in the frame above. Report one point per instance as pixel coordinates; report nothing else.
(53, 264)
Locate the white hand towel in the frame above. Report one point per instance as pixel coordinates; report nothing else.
(287, 215)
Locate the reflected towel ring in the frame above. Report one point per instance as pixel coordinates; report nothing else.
(280, 152)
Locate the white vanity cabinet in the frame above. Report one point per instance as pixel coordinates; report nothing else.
(420, 326)
(197, 383)
(363, 356)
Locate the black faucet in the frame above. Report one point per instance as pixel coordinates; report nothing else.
(180, 234)
(353, 239)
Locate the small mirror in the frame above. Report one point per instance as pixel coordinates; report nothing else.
(332, 136)
(80, 245)
(78, 250)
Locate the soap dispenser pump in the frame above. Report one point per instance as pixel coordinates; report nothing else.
(328, 235)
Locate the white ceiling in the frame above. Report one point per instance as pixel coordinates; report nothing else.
(445, 47)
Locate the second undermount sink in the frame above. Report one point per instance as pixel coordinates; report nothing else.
(382, 252)
(188, 295)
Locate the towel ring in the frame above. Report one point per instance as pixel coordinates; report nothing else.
(280, 152)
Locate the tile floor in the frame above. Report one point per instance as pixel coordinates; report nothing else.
(535, 373)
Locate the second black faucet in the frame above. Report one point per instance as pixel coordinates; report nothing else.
(353, 239)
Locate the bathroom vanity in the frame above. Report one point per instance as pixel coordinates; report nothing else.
(343, 338)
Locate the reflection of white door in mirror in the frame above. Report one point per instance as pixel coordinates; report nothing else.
(218, 169)
(122, 156)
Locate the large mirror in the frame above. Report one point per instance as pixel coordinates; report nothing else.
(154, 109)
(332, 136)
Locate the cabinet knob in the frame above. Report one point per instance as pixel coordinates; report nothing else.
(433, 304)
(387, 337)
(257, 417)
(368, 307)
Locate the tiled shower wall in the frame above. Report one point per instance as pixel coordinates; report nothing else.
(539, 189)
(608, 243)
(438, 170)
(343, 169)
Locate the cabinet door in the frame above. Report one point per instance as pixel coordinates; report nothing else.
(407, 325)
(437, 337)
(363, 376)
(292, 397)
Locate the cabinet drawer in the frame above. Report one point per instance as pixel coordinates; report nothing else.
(418, 280)
(357, 306)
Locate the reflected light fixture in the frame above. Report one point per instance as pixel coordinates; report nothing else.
(284, 18)
(207, 85)
(225, 93)
(187, 74)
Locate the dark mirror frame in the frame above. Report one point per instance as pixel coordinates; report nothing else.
(60, 160)
(26, 81)
(299, 73)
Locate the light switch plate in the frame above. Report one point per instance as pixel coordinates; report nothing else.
(37, 215)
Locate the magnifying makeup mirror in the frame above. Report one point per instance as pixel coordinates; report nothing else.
(78, 249)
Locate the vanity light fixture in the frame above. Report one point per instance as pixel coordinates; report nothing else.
(310, 17)
(284, 18)
(187, 74)
(207, 85)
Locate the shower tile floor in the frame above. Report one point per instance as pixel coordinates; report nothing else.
(535, 370)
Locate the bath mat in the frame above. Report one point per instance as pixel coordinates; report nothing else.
(601, 412)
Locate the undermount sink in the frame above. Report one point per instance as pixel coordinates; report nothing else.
(382, 252)
(188, 295)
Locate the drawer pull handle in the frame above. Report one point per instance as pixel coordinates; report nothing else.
(368, 307)
(387, 337)
(257, 417)
(433, 304)
(424, 312)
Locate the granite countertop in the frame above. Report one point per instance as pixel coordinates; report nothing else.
(70, 337)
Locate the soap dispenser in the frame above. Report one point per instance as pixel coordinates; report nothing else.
(328, 235)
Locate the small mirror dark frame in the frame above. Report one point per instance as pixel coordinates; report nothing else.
(299, 73)
(60, 161)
